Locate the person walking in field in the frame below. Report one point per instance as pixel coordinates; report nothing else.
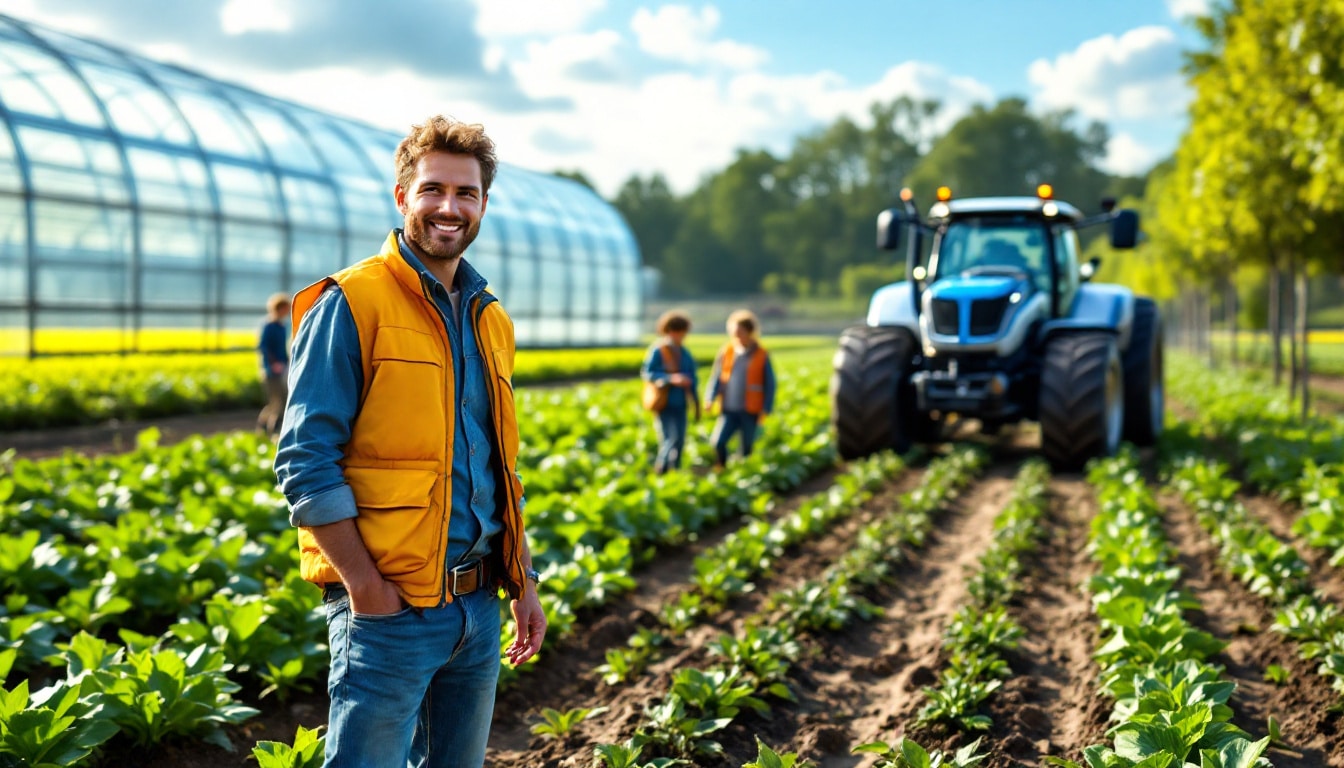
(273, 347)
(742, 384)
(398, 458)
(670, 386)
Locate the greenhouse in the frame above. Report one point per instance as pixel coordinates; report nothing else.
(145, 207)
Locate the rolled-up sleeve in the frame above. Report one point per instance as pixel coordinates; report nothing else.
(325, 379)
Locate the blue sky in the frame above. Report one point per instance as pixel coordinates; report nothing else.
(614, 88)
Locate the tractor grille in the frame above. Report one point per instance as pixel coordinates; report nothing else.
(987, 316)
(945, 317)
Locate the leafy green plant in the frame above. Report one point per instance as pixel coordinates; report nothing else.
(906, 753)
(55, 727)
(307, 751)
(557, 724)
(627, 756)
(1277, 675)
(768, 758)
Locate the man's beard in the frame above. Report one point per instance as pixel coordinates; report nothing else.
(418, 232)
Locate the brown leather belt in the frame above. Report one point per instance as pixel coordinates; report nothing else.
(469, 577)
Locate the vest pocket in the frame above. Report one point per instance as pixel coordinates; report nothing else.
(402, 415)
(400, 520)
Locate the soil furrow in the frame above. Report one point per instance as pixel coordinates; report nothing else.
(1050, 705)
(573, 681)
(865, 683)
(1312, 736)
(1278, 516)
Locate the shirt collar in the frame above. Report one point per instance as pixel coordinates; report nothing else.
(467, 278)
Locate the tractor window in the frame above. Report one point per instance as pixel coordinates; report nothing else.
(1006, 241)
(1066, 259)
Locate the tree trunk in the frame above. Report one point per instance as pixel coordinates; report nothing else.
(1207, 299)
(1275, 326)
(1303, 293)
(1233, 309)
(1290, 313)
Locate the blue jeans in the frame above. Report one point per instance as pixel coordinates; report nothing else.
(729, 423)
(414, 688)
(671, 425)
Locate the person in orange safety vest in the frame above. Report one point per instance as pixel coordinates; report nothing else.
(742, 385)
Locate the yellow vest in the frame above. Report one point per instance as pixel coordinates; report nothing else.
(399, 459)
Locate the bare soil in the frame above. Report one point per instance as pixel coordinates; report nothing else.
(864, 683)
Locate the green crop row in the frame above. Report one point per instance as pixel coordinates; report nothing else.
(66, 391)
(188, 551)
(1170, 703)
(982, 628)
(1300, 461)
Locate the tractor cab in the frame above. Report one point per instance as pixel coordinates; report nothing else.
(998, 321)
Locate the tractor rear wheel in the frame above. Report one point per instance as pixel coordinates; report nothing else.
(1082, 399)
(869, 392)
(1145, 402)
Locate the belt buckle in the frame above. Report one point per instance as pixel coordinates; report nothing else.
(462, 570)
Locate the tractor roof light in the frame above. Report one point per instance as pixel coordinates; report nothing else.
(1050, 209)
(1045, 191)
(944, 194)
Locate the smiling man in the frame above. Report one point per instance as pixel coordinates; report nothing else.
(398, 458)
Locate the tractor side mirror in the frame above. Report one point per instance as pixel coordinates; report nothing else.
(1125, 228)
(1107, 204)
(1088, 268)
(889, 225)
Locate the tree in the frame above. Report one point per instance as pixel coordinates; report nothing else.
(1008, 151)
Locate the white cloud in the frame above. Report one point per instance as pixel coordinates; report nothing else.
(1182, 9)
(677, 33)
(240, 16)
(1126, 156)
(1136, 75)
(519, 18)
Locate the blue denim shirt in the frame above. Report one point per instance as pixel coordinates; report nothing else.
(325, 381)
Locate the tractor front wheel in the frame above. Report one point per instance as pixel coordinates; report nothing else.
(1082, 399)
(869, 392)
(1145, 402)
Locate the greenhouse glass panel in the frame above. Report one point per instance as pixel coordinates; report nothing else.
(81, 234)
(582, 277)
(243, 290)
(311, 203)
(161, 288)
(553, 308)
(340, 154)
(288, 148)
(313, 256)
(216, 125)
(11, 178)
(136, 107)
(606, 287)
(13, 249)
(254, 247)
(370, 213)
(521, 275)
(74, 166)
(104, 284)
(176, 241)
(247, 193)
(170, 181)
(34, 82)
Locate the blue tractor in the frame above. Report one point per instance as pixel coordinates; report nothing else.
(997, 321)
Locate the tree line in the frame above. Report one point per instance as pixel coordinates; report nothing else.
(802, 224)
(1251, 206)
(1240, 222)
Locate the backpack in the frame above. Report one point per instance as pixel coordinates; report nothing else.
(654, 396)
